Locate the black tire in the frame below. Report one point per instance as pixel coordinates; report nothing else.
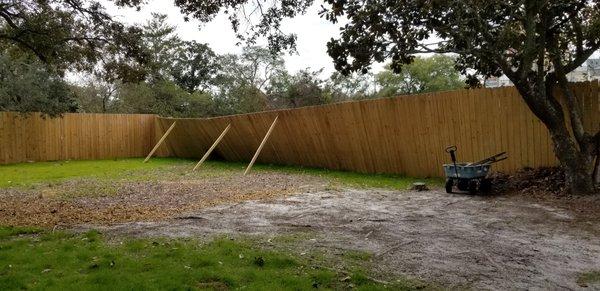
(473, 186)
(485, 186)
(449, 184)
(463, 184)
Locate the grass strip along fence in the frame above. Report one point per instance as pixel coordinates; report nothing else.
(402, 135)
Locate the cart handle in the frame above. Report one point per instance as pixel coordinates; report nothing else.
(452, 151)
(451, 148)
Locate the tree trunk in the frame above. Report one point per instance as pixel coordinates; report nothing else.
(576, 157)
(577, 164)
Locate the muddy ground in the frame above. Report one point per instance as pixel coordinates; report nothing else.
(455, 240)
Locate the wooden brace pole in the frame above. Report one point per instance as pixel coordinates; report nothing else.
(214, 145)
(262, 144)
(162, 139)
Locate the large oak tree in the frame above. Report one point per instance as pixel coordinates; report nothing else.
(535, 43)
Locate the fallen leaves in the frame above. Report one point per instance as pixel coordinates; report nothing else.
(108, 202)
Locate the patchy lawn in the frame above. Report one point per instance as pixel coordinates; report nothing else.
(113, 191)
(38, 259)
(165, 227)
(32, 174)
(28, 174)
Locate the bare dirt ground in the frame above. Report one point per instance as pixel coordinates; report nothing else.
(456, 240)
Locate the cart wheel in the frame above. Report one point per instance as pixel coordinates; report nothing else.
(463, 184)
(449, 184)
(473, 186)
(485, 186)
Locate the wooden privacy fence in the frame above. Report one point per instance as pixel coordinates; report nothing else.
(74, 136)
(405, 135)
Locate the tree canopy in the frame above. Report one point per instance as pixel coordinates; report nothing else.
(71, 35)
(26, 85)
(436, 73)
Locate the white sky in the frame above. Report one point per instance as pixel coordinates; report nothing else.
(313, 33)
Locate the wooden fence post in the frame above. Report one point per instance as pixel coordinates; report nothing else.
(262, 144)
(214, 145)
(160, 141)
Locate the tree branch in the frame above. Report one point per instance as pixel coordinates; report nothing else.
(581, 58)
(572, 103)
(41, 56)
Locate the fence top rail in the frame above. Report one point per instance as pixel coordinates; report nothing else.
(438, 94)
(37, 113)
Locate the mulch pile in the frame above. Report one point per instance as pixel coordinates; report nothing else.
(539, 181)
(547, 185)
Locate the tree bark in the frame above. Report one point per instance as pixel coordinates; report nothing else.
(576, 157)
(578, 165)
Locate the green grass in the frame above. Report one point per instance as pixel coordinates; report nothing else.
(592, 277)
(344, 178)
(28, 174)
(34, 259)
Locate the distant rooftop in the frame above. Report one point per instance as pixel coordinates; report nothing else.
(590, 70)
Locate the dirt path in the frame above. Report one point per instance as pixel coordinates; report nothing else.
(456, 240)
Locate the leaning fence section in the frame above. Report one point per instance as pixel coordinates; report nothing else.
(33, 137)
(405, 135)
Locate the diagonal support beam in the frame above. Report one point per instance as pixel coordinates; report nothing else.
(162, 139)
(262, 144)
(214, 145)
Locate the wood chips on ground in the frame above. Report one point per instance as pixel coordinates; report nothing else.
(89, 201)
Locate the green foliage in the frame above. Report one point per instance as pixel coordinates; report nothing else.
(164, 98)
(60, 260)
(173, 84)
(71, 35)
(350, 87)
(255, 67)
(94, 96)
(161, 42)
(189, 64)
(263, 19)
(64, 36)
(301, 89)
(26, 85)
(436, 73)
(194, 67)
(243, 79)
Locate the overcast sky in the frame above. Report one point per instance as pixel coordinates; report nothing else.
(313, 33)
